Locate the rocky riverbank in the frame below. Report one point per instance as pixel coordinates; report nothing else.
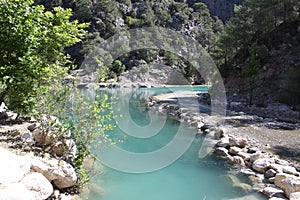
(263, 148)
(35, 165)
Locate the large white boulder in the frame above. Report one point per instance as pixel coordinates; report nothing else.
(60, 172)
(262, 164)
(288, 183)
(13, 167)
(40, 187)
(16, 191)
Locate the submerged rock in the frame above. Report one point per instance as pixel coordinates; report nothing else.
(236, 183)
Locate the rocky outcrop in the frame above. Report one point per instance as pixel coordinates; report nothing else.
(32, 158)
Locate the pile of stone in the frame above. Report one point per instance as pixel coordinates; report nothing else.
(40, 172)
(272, 176)
(29, 177)
(276, 178)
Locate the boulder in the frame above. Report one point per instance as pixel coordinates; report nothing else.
(60, 172)
(221, 151)
(281, 162)
(236, 160)
(16, 191)
(262, 164)
(272, 180)
(277, 198)
(289, 170)
(218, 133)
(238, 142)
(33, 126)
(235, 150)
(43, 138)
(271, 191)
(278, 168)
(13, 168)
(288, 183)
(295, 196)
(224, 142)
(247, 171)
(59, 149)
(38, 185)
(244, 155)
(256, 156)
(270, 173)
(253, 149)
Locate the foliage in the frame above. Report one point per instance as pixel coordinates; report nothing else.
(107, 16)
(253, 23)
(86, 113)
(32, 50)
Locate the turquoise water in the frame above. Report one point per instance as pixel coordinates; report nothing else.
(188, 178)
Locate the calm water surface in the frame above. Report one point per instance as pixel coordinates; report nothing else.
(188, 178)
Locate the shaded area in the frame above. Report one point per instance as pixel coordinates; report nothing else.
(287, 152)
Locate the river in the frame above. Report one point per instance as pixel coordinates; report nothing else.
(187, 178)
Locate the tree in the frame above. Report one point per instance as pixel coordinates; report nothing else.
(32, 50)
(254, 22)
